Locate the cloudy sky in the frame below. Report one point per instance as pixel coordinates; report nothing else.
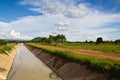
(79, 20)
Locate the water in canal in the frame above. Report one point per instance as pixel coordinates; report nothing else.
(27, 67)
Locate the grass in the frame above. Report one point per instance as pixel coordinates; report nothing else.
(8, 47)
(95, 63)
(106, 48)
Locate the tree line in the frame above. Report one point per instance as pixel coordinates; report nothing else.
(100, 40)
(51, 39)
(61, 38)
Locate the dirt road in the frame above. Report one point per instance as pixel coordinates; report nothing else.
(88, 52)
(27, 67)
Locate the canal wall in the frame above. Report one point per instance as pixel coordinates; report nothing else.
(67, 70)
(6, 60)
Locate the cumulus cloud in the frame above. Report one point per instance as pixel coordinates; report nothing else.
(58, 24)
(4, 36)
(57, 7)
(78, 22)
(92, 34)
(76, 11)
(63, 23)
(14, 35)
(49, 6)
(18, 35)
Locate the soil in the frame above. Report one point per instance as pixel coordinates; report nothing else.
(6, 60)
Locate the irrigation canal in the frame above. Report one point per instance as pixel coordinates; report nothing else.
(27, 67)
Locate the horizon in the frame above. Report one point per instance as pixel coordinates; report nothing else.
(78, 20)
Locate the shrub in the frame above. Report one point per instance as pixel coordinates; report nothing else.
(3, 42)
(99, 40)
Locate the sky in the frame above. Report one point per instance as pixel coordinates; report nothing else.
(78, 20)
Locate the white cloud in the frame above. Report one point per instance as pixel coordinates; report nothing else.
(78, 23)
(49, 6)
(14, 35)
(56, 7)
(18, 35)
(4, 36)
(63, 23)
(76, 11)
(74, 29)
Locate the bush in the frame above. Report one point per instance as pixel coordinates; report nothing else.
(7, 48)
(99, 40)
(3, 42)
(117, 41)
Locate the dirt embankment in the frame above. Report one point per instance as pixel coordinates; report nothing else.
(6, 60)
(68, 70)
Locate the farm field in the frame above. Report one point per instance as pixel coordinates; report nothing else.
(105, 47)
(88, 50)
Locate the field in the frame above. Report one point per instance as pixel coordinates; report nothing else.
(93, 62)
(106, 47)
(8, 47)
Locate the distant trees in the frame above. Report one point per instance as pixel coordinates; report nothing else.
(90, 41)
(3, 42)
(99, 40)
(117, 41)
(53, 39)
(44, 40)
(86, 41)
(36, 39)
(57, 38)
(60, 38)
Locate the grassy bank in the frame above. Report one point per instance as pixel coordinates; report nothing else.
(98, 64)
(105, 47)
(8, 47)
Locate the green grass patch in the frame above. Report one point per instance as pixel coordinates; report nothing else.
(104, 47)
(8, 47)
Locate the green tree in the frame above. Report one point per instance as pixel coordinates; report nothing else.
(86, 41)
(3, 42)
(99, 40)
(44, 40)
(60, 38)
(117, 41)
(51, 39)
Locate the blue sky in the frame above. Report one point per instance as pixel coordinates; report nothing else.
(79, 20)
(11, 10)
